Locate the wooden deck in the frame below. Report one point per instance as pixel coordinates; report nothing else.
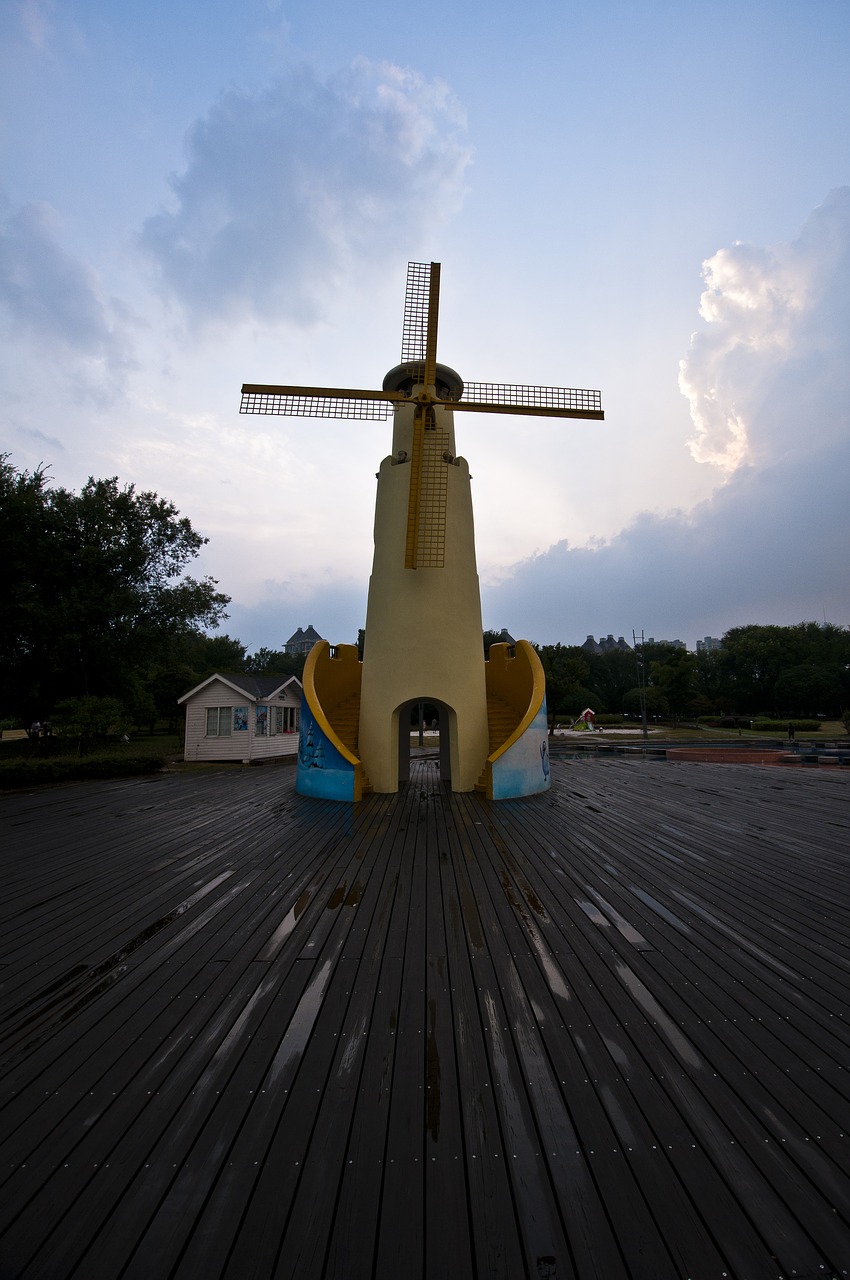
(599, 1033)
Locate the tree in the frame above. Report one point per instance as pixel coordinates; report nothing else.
(654, 699)
(205, 655)
(754, 658)
(808, 690)
(566, 673)
(611, 676)
(93, 588)
(274, 662)
(90, 720)
(676, 678)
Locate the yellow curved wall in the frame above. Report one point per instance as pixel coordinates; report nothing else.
(327, 681)
(520, 682)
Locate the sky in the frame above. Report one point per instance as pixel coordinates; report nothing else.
(651, 199)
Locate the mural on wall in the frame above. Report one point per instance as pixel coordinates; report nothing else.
(240, 719)
(262, 720)
(321, 770)
(523, 770)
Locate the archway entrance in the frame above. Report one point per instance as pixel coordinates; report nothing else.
(428, 719)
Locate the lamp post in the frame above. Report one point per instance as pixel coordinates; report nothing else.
(641, 674)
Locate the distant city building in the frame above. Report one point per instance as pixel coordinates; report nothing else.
(504, 635)
(605, 644)
(709, 645)
(302, 641)
(671, 644)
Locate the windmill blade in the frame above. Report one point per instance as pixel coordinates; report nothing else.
(319, 402)
(419, 327)
(544, 402)
(425, 545)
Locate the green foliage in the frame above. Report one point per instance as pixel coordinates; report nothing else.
(92, 589)
(566, 672)
(90, 720)
(786, 669)
(676, 678)
(205, 655)
(37, 771)
(274, 662)
(781, 726)
(656, 702)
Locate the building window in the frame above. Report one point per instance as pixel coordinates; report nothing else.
(218, 722)
(283, 720)
(240, 719)
(262, 721)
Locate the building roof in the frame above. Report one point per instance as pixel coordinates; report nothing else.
(255, 688)
(605, 644)
(305, 633)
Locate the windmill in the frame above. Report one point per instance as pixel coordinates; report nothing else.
(423, 629)
(425, 538)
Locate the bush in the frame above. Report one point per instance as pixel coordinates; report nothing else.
(20, 772)
(90, 720)
(726, 722)
(781, 726)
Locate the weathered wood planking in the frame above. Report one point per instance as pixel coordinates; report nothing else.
(602, 1033)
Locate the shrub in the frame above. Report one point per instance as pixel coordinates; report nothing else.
(781, 726)
(22, 772)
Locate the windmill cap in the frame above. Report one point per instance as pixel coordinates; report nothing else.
(405, 376)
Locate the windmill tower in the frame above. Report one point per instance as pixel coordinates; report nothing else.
(423, 622)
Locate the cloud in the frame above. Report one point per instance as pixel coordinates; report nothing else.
(49, 296)
(36, 20)
(766, 309)
(43, 289)
(284, 188)
(771, 544)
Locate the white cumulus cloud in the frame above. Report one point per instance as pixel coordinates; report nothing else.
(769, 385)
(286, 190)
(766, 309)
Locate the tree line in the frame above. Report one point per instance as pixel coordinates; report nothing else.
(97, 603)
(760, 671)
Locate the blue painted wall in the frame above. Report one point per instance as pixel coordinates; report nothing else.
(321, 771)
(523, 770)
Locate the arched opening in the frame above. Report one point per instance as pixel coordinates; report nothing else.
(433, 720)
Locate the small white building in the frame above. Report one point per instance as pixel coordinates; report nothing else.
(242, 717)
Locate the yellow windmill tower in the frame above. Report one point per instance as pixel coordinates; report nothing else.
(423, 621)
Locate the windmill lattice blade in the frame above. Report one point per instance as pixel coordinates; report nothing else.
(414, 333)
(429, 376)
(314, 402)
(508, 398)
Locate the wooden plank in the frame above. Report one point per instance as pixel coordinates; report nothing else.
(629, 998)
